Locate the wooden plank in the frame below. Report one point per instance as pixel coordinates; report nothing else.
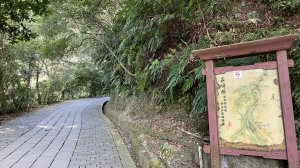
(279, 155)
(287, 109)
(263, 65)
(212, 114)
(251, 48)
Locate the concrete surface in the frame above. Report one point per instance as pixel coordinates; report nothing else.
(70, 134)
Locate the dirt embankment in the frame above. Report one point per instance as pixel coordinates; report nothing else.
(166, 138)
(156, 138)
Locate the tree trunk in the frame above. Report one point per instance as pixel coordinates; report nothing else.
(28, 84)
(63, 95)
(37, 85)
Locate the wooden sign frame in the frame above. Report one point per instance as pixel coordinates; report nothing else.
(279, 46)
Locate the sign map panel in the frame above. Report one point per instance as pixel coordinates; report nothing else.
(249, 110)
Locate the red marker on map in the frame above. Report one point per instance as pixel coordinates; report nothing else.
(229, 124)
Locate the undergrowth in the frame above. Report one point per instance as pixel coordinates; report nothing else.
(154, 40)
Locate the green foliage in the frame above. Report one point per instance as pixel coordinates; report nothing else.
(176, 63)
(283, 5)
(225, 37)
(89, 48)
(216, 7)
(295, 80)
(156, 69)
(150, 38)
(266, 33)
(14, 14)
(54, 49)
(15, 74)
(148, 27)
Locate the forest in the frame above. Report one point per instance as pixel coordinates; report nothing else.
(58, 50)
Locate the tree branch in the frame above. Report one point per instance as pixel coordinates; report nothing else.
(205, 27)
(113, 54)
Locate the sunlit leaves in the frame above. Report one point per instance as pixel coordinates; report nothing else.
(14, 14)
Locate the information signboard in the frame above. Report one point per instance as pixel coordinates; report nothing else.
(250, 107)
(249, 110)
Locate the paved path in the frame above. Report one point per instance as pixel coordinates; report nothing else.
(70, 134)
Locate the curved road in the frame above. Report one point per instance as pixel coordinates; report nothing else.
(70, 134)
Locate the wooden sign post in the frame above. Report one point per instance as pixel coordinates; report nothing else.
(250, 107)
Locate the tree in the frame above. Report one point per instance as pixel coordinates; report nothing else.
(14, 14)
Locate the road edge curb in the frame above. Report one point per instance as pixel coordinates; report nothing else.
(126, 159)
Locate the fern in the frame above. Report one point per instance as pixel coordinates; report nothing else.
(188, 84)
(155, 69)
(200, 100)
(142, 81)
(283, 5)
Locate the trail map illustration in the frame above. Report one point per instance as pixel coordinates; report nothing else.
(249, 109)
